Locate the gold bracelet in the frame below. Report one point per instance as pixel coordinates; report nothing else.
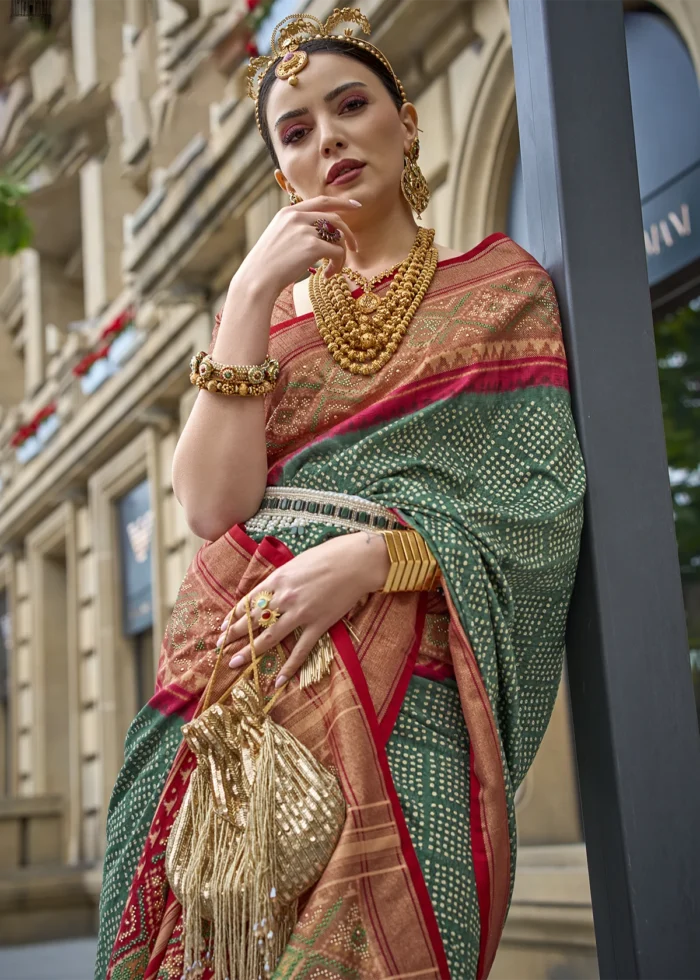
(413, 567)
(233, 379)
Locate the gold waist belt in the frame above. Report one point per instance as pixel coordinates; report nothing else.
(293, 509)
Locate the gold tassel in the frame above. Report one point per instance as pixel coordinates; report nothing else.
(318, 663)
(238, 873)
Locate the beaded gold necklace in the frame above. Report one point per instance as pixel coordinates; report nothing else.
(362, 334)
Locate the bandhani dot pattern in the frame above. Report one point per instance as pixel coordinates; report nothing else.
(467, 435)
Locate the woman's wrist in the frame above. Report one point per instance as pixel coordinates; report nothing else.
(372, 554)
(244, 332)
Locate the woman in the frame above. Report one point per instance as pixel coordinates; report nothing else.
(426, 394)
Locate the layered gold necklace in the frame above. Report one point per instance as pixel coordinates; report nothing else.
(362, 334)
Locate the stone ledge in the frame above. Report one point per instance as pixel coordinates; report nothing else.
(40, 904)
(552, 898)
(30, 806)
(31, 831)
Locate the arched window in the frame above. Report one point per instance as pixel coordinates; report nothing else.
(666, 113)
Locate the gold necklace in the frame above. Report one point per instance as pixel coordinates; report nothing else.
(368, 303)
(362, 340)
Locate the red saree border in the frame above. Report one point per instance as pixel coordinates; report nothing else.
(343, 644)
(481, 863)
(172, 700)
(528, 372)
(386, 726)
(433, 672)
(488, 804)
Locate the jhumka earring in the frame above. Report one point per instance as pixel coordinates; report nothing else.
(294, 198)
(413, 183)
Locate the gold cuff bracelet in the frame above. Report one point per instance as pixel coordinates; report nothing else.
(413, 567)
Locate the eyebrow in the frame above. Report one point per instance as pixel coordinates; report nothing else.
(294, 113)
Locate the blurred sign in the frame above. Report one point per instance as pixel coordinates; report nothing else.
(33, 10)
(666, 113)
(672, 225)
(135, 518)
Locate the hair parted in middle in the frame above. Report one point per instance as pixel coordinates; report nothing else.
(329, 46)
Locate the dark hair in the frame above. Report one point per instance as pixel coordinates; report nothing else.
(332, 46)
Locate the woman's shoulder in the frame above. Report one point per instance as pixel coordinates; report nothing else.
(445, 253)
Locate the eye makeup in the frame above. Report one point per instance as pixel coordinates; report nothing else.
(350, 104)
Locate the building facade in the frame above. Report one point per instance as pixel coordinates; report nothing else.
(148, 181)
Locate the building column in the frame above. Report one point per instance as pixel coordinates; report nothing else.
(632, 700)
(34, 344)
(105, 198)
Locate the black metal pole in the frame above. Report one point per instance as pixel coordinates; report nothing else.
(635, 726)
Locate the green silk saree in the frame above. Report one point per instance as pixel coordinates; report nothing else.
(467, 436)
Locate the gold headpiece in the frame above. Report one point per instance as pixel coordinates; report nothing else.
(289, 60)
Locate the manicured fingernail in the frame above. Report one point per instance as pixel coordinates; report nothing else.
(223, 625)
(355, 203)
(236, 661)
(220, 641)
(281, 680)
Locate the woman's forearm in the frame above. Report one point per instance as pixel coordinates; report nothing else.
(220, 463)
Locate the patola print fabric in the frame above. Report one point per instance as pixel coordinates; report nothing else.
(435, 705)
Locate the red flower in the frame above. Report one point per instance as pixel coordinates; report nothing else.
(82, 367)
(45, 413)
(252, 4)
(25, 431)
(18, 438)
(252, 49)
(118, 324)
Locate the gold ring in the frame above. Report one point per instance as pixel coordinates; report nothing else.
(327, 231)
(268, 616)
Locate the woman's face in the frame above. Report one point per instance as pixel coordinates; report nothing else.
(338, 132)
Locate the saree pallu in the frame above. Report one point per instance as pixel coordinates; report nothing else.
(467, 436)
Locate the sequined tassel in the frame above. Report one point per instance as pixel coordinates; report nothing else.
(318, 663)
(239, 872)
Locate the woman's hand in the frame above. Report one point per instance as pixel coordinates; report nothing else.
(290, 245)
(313, 591)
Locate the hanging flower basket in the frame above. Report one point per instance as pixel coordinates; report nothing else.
(29, 439)
(125, 344)
(48, 423)
(93, 370)
(117, 326)
(99, 371)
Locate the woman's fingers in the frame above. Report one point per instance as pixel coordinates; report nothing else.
(236, 618)
(264, 642)
(296, 658)
(336, 261)
(326, 204)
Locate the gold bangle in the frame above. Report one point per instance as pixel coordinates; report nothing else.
(412, 566)
(233, 379)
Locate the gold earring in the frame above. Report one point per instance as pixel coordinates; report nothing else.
(294, 198)
(413, 183)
